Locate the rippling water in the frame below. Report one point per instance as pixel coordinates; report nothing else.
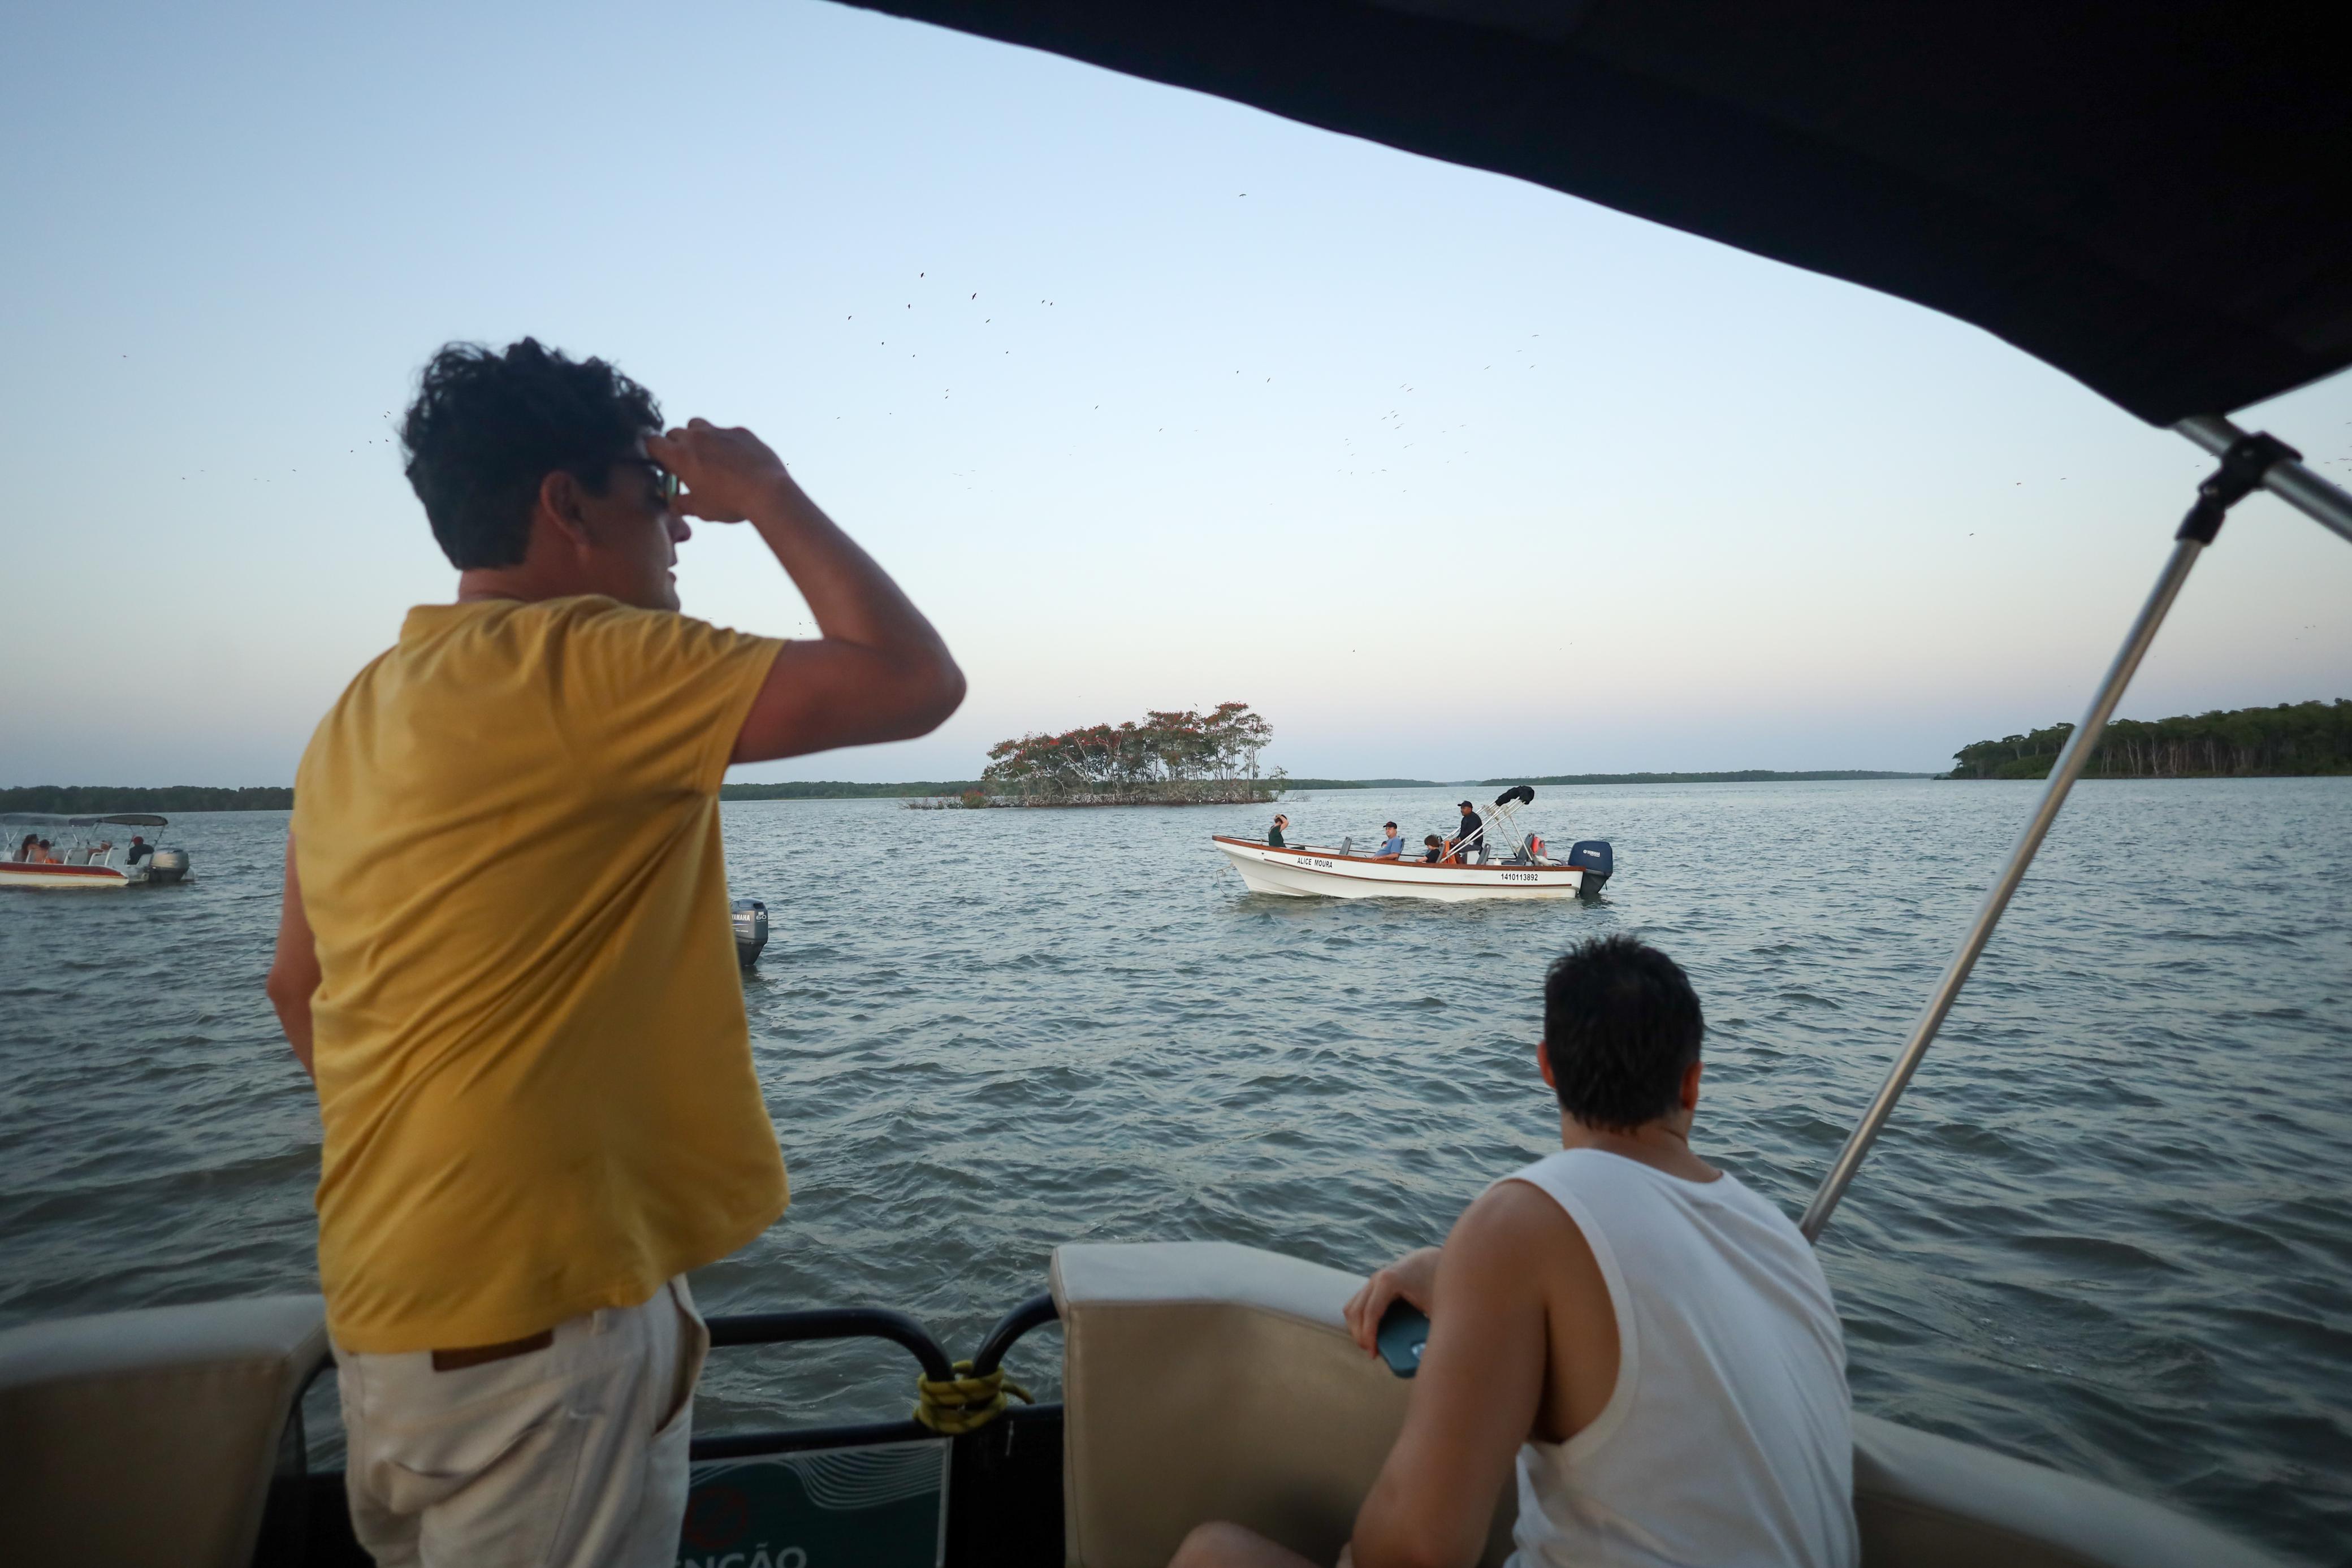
(2108, 1231)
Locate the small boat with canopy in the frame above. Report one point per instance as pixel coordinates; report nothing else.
(1522, 869)
(48, 851)
(2154, 201)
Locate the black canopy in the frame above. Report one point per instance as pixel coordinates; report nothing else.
(2154, 199)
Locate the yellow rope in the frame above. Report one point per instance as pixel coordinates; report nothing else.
(964, 1403)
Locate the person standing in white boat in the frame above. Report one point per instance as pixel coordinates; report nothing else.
(1471, 835)
(1274, 835)
(1649, 1341)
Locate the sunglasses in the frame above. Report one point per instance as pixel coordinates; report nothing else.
(665, 484)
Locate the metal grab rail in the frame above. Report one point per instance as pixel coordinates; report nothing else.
(857, 1322)
(833, 1323)
(2248, 463)
(1036, 1311)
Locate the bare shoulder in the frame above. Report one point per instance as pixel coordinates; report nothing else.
(1514, 1222)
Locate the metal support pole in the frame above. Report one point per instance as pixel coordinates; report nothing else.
(2289, 480)
(2248, 463)
(2068, 767)
(2063, 774)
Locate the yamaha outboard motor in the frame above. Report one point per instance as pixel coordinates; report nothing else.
(1592, 856)
(167, 866)
(750, 930)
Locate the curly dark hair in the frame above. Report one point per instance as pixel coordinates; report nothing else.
(1621, 1025)
(486, 428)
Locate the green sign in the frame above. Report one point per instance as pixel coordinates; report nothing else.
(882, 1507)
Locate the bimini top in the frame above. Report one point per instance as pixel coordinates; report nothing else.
(46, 820)
(2154, 199)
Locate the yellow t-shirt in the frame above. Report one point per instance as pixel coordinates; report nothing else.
(533, 1070)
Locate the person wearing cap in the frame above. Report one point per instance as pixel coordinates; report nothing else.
(139, 849)
(1392, 846)
(1472, 834)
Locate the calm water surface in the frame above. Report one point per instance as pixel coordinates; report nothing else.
(2109, 1228)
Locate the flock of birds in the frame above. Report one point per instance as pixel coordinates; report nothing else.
(1369, 458)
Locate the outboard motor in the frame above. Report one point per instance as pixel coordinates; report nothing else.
(750, 930)
(167, 866)
(1592, 856)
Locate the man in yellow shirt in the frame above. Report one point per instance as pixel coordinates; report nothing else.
(505, 957)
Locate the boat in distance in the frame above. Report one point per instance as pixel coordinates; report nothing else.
(95, 861)
(1467, 869)
(1308, 872)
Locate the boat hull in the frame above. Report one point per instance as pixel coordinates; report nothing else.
(16, 873)
(1310, 873)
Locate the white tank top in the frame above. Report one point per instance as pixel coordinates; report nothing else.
(1729, 1437)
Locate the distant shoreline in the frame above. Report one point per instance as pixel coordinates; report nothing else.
(85, 799)
(2292, 740)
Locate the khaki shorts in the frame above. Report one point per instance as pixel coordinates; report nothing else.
(563, 1456)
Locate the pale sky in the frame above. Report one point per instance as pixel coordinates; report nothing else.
(1149, 398)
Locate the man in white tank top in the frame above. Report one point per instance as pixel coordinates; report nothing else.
(1652, 1344)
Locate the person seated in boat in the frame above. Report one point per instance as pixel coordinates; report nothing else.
(1274, 835)
(1733, 1441)
(24, 850)
(48, 856)
(139, 850)
(1393, 845)
(1432, 849)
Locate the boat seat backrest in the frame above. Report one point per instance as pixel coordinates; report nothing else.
(1925, 1501)
(1203, 1381)
(150, 1438)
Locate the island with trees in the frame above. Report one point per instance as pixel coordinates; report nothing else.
(1166, 759)
(2293, 739)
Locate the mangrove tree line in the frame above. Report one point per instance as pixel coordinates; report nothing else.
(2293, 738)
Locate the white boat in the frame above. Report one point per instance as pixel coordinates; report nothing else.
(91, 861)
(1311, 871)
(1307, 872)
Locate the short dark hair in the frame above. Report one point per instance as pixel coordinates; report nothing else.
(487, 428)
(1621, 1025)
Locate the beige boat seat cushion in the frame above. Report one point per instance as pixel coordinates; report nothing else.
(149, 1437)
(1203, 1380)
(1925, 1501)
